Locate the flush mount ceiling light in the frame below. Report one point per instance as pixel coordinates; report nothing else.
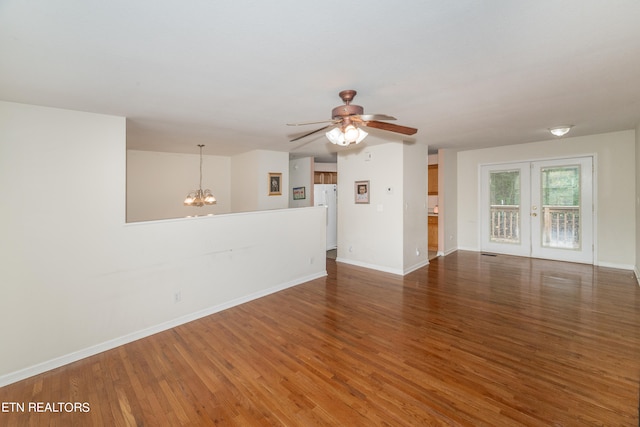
(198, 197)
(560, 130)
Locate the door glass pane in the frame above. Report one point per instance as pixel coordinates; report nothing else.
(561, 207)
(504, 199)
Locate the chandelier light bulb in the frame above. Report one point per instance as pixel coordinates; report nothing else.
(351, 134)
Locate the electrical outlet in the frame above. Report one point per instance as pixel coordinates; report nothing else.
(177, 297)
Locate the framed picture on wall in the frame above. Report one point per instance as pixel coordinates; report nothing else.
(299, 193)
(275, 184)
(362, 191)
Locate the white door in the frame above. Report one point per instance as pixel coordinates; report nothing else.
(505, 200)
(541, 209)
(562, 209)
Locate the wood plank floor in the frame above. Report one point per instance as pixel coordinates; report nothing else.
(469, 340)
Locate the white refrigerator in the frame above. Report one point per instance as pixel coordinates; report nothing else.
(327, 195)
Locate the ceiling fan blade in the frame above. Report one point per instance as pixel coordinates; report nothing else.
(391, 127)
(297, 147)
(310, 123)
(311, 133)
(369, 117)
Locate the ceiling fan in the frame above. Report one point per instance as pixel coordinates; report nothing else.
(344, 126)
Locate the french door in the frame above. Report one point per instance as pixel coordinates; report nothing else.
(541, 209)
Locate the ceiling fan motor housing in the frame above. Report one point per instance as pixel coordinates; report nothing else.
(346, 110)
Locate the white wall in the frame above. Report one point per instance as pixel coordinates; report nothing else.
(448, 199)
(244, 182)
(77, 280)
(414, 199)
(157, 184)
(250, 180)
(615, 188)
(637, 200)
(301, 175)
(372, 235)
(325, 167)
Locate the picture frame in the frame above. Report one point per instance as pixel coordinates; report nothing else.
(275, 184)
(361, 192)
(299, 193)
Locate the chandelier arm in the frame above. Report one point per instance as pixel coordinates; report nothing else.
(199, 197)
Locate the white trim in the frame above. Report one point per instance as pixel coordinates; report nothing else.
(465, 248)
(117, 342)
(415, 267)
(370, 266)
(383, 268)
(615, 265)
(599, 264)
(637, 273)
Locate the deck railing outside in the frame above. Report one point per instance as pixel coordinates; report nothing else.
(505, 223)
(560, 226)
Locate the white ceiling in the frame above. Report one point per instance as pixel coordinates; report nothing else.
(231, 74)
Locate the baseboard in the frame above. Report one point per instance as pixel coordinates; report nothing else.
(637, 273)
(383, 268)
(117, 342)
(615, 265)
(371, 266)
(415, 267)
(599, 264)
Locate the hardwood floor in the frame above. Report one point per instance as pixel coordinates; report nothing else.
(468, 340)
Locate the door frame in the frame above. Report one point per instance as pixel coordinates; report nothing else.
(594, 199)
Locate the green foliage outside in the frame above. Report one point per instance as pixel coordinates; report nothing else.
(505, 188)
(560, 187)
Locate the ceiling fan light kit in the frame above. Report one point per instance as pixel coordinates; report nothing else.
(347, 120)
(200, 197)
(350, 135)
(560, 130)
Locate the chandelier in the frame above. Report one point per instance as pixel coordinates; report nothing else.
(198, 197)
